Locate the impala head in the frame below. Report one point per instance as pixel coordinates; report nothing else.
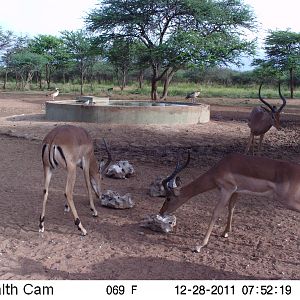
(274, 111)
(172, 187)
(95, 177)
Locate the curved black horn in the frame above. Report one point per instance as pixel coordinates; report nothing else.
(177, 170)
(263, 101)
(109, 159)
(282, 98)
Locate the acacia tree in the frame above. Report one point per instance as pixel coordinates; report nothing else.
(6, 39)
(282, 54)
(17, 45)
(50, 47)
(24, 64)
(123, 62)
(80, 47)
(176, 33)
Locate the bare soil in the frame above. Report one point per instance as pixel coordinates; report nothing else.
(264, 243)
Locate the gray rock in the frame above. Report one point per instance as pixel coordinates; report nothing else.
(159, 223)
(112, 199)
(121, 169)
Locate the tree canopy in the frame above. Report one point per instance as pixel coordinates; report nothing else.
(176, 33)
(81, 49)
(51, 48)
(282, 55)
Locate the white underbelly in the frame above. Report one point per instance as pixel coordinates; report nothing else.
(255, 193)
(254, 186)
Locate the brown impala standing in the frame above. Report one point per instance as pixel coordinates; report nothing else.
(236, 174)
(262, 119)
(69, 147)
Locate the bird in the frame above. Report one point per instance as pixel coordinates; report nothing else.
(193, 96)
(109, 91)
(54, 94)
(87, 102)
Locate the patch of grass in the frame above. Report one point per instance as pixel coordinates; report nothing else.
(175, 90)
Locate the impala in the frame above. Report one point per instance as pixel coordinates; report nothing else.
(69, 146)
(233, 175)
(262, 119)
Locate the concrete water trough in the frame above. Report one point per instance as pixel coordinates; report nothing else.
(103, 110)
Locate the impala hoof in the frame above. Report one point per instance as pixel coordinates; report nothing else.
(41, 229)
(225, 235)
(83, 231)
(95, 213)
(197, 249)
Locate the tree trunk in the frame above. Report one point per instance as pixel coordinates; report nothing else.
(117, 75)
(48, 76)
(40, 81)
(292, 82)
(81, 77)
(16, 78)
(64, 77)
(123, 80)
(5, 79)
(154, 81)
(141, 78)
(28, 80)
(154, 93)
(167, 81)
(98, 78)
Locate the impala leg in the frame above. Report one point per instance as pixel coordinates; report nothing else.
(261, 137)
(250, 142)
(47, 178)
(226, 195)
(231, 207)
(71, 178)
(66, 208)
(89, 189)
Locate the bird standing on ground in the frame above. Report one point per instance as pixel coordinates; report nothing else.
(109, 91)
(54, 94)
(87, 102)
(193, 96)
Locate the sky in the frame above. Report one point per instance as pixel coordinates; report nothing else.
(33, 17)
(275, 15)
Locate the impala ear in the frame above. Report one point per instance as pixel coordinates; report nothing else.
(178, 181)
(173, 186)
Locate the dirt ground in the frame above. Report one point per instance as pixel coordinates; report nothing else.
(264, 243)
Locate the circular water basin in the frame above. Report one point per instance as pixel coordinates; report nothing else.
(102, 110)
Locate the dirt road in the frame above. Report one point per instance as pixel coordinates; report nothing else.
(264, 243)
